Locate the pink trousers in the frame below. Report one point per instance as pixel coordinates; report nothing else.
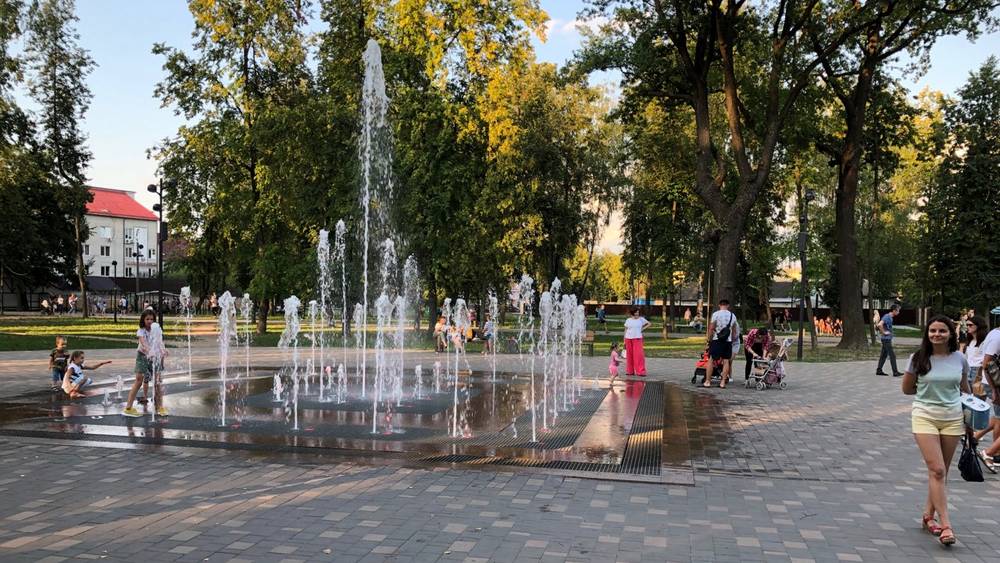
(635, 361)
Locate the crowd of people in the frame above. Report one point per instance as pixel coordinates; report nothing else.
(449, 332)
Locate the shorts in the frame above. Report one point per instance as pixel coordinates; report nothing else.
(720, 349)
(145, 366)
(925, 425)
(57, 375)
(81, 381)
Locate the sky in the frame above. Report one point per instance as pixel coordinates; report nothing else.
(125, 120)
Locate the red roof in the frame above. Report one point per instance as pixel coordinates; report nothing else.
(117, 203)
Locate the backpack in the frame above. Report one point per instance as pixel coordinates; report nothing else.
(725, 333)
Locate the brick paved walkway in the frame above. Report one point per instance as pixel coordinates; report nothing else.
(824, 471)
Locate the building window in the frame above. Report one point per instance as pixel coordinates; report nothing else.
(105, 251)
(128, 272)
(152, 253)
(106, 232)
(152, 272)
(105, 270)
(86, 249)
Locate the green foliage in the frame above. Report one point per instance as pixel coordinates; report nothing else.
(964, 202)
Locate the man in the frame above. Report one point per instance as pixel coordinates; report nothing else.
(886, 333)
(602, 318)
(722, 330)
(991, 355)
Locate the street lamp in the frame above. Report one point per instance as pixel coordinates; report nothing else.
(804, 277)
(161, 237)
(114, 289)
(136, 255)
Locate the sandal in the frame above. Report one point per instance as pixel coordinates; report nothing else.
(931, 525)
(947, 536)
(988, 462)
(707, 383)
(722, 384)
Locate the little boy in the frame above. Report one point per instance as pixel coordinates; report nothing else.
(57, 362)
(74, 380)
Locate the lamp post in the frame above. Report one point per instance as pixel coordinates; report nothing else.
(137, 254)
(161, 237)
(804, 277)
(114, 289)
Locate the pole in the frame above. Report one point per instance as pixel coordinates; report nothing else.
(159, 258)
(804, 277)
(114, 290)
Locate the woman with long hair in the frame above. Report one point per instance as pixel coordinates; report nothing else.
(937, 375)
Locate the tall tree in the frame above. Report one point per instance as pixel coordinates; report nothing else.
(964, 203)
(886, 28)
(242, 91)
(683, 53)
(58, 84)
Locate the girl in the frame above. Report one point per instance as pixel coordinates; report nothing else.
(615, 360)
(937, 377)
(147, 360)
(74, 380)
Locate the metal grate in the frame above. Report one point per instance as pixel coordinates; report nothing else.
(564, 433)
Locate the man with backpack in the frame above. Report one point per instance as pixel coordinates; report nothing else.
(722, 331)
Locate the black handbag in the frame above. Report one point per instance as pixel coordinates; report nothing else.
(968, 462)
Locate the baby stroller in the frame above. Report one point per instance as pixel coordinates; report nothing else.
(766, 372)
(701, 366)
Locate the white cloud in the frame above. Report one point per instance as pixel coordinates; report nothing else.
(572, 27)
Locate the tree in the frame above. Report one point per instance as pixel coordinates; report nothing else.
(58, 84)
(240, 173)
(885, 29)
(964, 202)
(757, 58)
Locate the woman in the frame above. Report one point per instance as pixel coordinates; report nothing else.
(937, 376)
(635, 361)
(756, 343)
(976, 330)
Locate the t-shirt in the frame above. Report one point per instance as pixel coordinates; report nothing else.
(991, 344)
(601, 315)
(723, 319)
(974, 354)
(887, 323)
(633, 327)
(142, 333)
(59, 359)
(488, 329)
(938, 391)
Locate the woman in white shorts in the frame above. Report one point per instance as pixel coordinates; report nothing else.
(937, 376)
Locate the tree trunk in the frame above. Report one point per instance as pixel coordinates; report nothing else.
(586, 270)
(663, 316)
(432, 303)
(265, 309)
(81, 268)
(726, 258)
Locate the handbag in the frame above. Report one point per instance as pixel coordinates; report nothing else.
(968, 462)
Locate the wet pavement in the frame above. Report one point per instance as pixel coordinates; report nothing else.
(823, 471)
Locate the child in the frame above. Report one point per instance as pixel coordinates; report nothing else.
(775, 355)
(148, 358)
(615, 360)
(74, 380)
(57, 362)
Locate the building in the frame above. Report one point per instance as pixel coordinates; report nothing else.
(121, 231)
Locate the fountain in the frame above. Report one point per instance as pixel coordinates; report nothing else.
(186, 310)
(277, 388)
(246, 310)
(119, 384)
(157, 351)
(323, 260)
(359, 343)
(526, 325)
(311, 362)
(418, 386)
(461, 315)
(341, 384)
(289, 340)
(383, 318)
(340, 255)
(227, 334)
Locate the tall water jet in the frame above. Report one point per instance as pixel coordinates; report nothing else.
(157, 351)
(359, 345)
(399, 342)
(340, 255)
(227, 333)
(323, 259)
(545, 310)
(494, 329)
(311, 362)
(289, 340)
(186, 308)
(526, 325)
(418, 386)
(375, 153)
(246, 311)
(461, 315)
(383, 318)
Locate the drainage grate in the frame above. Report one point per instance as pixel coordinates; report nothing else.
(645, 439)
